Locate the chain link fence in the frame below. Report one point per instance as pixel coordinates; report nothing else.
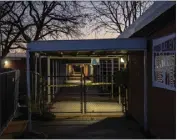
(9, 92)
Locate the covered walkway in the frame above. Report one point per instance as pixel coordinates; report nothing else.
(96, 91)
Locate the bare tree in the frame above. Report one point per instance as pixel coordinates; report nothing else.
(38, 20)
(5, 9)
(116, 16)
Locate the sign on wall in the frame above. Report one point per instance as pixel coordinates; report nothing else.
(95, 61)
(164, 62)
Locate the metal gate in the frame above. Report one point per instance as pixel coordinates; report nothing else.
(84, 97)
(66, 96)
(99, 100)
(78, 93)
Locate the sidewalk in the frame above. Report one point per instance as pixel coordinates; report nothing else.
(14, 128)
(90, 128)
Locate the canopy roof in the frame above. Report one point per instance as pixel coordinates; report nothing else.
(88, 46)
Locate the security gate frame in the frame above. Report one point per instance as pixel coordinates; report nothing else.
(54, 83)
(83, 96)
(110, 98)
(128, 44)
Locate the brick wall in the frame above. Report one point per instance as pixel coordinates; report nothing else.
(161, 102)
(16, 64)
(136, 87)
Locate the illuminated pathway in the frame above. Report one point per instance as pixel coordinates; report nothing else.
(95, 102)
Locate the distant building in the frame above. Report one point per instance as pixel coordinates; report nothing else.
(15, 60)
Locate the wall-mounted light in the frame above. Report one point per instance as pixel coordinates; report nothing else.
(122, 60)
(6, 63)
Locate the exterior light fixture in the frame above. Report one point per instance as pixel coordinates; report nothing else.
(6, 64)
(122, 60)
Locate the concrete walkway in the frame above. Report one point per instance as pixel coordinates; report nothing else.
(91, 106)
(14, 128)
(70, 100)
(90, 128)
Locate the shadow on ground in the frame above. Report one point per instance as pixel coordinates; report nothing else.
(90, 128)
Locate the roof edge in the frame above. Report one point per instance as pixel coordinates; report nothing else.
(151, 14)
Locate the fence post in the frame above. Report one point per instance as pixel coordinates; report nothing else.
(28, 90)
(9, 91)
(17, 76)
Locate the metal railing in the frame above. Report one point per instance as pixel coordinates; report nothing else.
(9, 92)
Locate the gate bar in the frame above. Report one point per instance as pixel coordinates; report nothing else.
(86, 57)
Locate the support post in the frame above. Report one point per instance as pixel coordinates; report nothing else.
(48, 78)
(28, 90)
(97, 69)
(41, 88)
(119, 86)
(106, 74)
(104, 78)
(145, 91)
(53, 78)
(100, 72)
(128, 85)
(36, 78)
(101, 64)
(40, 59)
(59, 74)
(67, 67)
(56, 66)
(112, 78)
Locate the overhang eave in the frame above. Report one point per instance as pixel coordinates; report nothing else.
(135, 44)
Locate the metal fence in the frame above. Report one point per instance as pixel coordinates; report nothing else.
(38, 90)
(38, 93)
(9, 92)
